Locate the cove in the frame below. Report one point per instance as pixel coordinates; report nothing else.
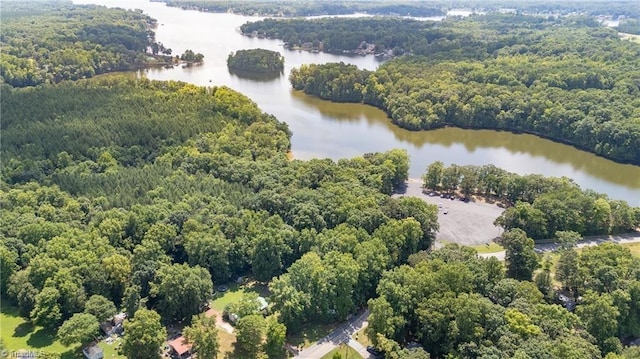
(325, 129)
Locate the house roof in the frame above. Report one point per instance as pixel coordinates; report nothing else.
(180, 345)
(92, 351)
(263, 303)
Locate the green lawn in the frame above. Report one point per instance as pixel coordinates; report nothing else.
(361, 337)
(110, 351)
(19, 334)
(235, 292)
(310, 333)
(634, 247)
(345, 351)
(488, 248)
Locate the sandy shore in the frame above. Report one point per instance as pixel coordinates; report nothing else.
(466, 223)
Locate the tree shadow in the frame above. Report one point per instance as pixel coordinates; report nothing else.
(72, 354)
(23, 329)
(41, 338)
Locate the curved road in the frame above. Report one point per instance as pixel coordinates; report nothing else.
(587, 242)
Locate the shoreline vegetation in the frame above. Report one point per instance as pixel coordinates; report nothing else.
(488, 72)
(89, 40)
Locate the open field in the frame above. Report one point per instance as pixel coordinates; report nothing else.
(488, 248)
(634, 247)
(345, 351)
(19, 334)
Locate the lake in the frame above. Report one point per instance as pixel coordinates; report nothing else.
(325, 129)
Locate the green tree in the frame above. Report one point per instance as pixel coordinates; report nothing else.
(143, 335)
(567, 270)
(80, 328)
(249, 333)
(181, 290)
(47, 311)
(131, 300)
(203, 336)
(600, 316)
(276, 338)
(433, 177)
(521, 258)
(8, 266)
(100, 307)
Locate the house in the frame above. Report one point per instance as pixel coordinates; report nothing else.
(114, 326)
(262, 304)
(93, 351)
(180, 347)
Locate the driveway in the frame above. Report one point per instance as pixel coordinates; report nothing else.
(342, 334)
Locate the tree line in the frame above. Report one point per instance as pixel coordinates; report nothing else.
(297, 8)
(527, 75)
(408, 8)
(540, 206)
(44, 42)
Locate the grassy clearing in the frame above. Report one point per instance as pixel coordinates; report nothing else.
(361, 337)
(345, 351)
(488, 248)
(19, 334)
(226, 342)
(235, 292)
(110, 351)
(634, 248)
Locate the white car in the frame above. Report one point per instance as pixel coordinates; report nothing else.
(446, 210)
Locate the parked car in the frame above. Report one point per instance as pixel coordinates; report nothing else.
(374, 351)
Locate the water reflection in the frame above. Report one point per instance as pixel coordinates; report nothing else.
(474, 140)
(255, 76)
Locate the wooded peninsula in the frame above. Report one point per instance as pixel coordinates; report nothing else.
(566, 79)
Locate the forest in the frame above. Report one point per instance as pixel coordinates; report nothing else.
(256, 60)
(167, 180)
(280, 8)
(119, 193)
(46, 42)
(310, 8)
(568, 80)
(190, 187)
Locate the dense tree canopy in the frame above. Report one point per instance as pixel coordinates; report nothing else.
(256, 60)
(168, 188)
(288, 8)
(456, 304)
(46, 42)
(508, 72)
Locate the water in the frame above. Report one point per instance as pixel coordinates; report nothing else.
(325, 129)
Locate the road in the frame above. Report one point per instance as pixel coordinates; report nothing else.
(588, 242)
(342, 334)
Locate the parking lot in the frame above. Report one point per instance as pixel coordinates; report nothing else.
(466, 223)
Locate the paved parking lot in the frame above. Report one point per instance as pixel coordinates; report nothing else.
(466, 223)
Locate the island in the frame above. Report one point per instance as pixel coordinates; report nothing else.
(259, 61)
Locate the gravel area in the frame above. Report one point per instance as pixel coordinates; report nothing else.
(465, 223)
